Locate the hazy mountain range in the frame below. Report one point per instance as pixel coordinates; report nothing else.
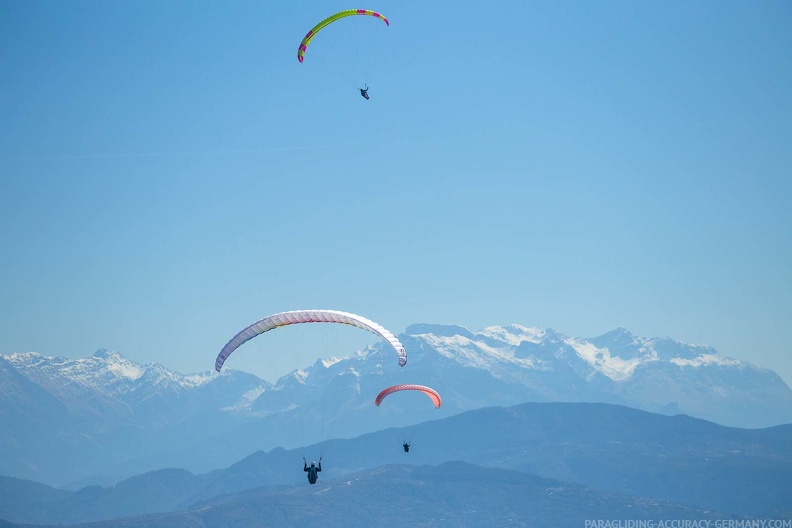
(103, 418)
(450, 495)
(538, 464)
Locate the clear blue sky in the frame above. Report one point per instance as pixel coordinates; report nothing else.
(169, 172)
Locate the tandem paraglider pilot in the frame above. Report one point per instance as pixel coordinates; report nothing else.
(313, 470)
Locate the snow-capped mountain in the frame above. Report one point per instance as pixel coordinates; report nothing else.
(70, 419)
(67, 418)
(654, 374)
(110, 386)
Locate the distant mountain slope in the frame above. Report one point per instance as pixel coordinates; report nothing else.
(449, 495)
(104, 418)
(64, 419)
(611, 448)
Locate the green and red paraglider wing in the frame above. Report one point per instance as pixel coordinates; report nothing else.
(329, 20)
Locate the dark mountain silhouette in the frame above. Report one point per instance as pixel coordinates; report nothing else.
(450, 495)
(612, 448)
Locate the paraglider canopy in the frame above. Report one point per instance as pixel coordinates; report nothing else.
(433, 395)
(308, 316)
(329, 20)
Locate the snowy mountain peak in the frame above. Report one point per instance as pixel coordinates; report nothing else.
(327, 362)
(115, 364)
(25, 359)
(615, 355)
(669, 349)
(439, 330)
(106, 371)
(619, 339)
(105, 353)
(607, 362)
(514, 334)
(706, 360)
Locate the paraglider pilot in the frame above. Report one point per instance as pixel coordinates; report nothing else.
(313, 470)
(406, 447)
(364, 92)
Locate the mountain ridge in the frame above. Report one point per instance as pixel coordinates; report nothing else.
(613, 449)
(133, 417)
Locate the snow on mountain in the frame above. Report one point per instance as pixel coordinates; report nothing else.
(602, 361)
(616, 354)
(656, 374)
(476, 354)
(439, 330)
(106, 371)
(513, 334)
(706, 360)
(72, 416)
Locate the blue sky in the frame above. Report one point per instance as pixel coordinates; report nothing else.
(169, 172)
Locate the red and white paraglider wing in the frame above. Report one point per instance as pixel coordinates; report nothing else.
(431, 393)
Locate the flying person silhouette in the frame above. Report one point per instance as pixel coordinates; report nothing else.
(313, 470)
